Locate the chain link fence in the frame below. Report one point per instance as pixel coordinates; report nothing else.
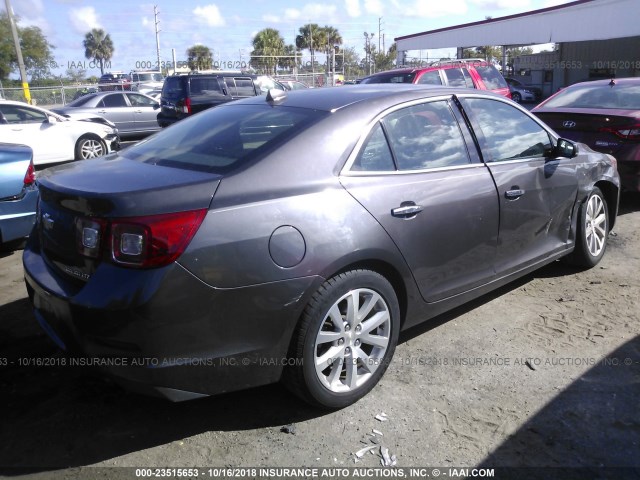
(48, 97)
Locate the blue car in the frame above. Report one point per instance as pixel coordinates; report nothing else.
(18, 192)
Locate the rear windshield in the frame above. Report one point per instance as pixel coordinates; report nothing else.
(391, 78)
(491, 77)
(223, 138)
(619, 96)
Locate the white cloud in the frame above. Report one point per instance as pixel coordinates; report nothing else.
(269, 18)
(374, 7)
(431, 9)
(313, 13)
(84, 19)
(209, 15)
(353, 8)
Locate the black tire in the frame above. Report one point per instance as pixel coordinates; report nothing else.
(516, 97)
(367, 343)
(593, 231)
(89, 146)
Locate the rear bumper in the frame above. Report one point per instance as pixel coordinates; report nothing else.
(164, 332)
(18, 216)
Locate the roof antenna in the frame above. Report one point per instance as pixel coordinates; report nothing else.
(612, 82)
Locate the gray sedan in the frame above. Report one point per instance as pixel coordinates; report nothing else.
(293, 236)
(133, 113)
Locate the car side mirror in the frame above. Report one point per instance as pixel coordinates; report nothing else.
(51, 119)
(565, 149)
(156, 106)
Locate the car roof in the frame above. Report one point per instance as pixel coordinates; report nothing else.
(335, 98)
(607, 81)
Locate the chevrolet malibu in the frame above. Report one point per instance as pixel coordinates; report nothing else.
(292, 237)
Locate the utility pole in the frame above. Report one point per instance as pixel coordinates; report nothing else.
(155, 14)
(16, 41)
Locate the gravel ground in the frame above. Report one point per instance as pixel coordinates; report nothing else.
(544, 372)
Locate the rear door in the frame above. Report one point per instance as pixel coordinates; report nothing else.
(432, 195)
(115, 108)
(144, 113)
(537, 192)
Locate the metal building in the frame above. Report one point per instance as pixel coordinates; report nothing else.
(594, 39)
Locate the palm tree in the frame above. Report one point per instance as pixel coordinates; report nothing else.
(98, 45)
(331, 38)
(310, 38)
(268, 46)
(199, 57)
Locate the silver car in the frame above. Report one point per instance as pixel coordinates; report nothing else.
(291, 237)
(133, 113)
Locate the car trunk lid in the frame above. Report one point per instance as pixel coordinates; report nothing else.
(95, 192)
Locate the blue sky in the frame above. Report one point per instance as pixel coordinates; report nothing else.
(227, 28)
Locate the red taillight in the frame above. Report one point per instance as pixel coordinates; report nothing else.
(187, 105)
(30, 176)
(630, 132)
(141, 242)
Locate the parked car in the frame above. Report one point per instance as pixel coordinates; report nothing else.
(132, 113)
(18, 192)
(604, 114)
(114, 81)
(146, 81)
(53, 137)
(184, 95)
(465, 73)
(521, 92)
(292, 236)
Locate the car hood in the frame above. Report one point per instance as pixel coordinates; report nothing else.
(117, 186)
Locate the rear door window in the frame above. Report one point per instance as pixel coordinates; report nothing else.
(115, 100)
(240, 87)
(426, 136)
(430, 78)
(456, 78)
(205, 86)
(491, 78)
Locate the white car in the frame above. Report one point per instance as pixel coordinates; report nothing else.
(54, 138)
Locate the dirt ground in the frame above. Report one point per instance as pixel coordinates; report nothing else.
(542, 373)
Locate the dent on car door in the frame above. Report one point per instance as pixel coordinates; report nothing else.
(537, 192)
(413, 173)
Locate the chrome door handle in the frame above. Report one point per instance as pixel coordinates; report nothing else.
(405, 211)
(513, 194)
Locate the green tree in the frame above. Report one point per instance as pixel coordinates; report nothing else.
(268, 47)
(351, 63)
(310, 38)
(98, 46)
(386, 61)
(291, 59)
(76, 75)
(199, 57)
(331, 38)
(36, 50)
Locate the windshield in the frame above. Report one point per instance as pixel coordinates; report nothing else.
(81, 100)
(148, 77)
(598, 95)
(220, 139)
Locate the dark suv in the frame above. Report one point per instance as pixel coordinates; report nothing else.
(184, 95)
(465, 73)
(114, 81)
